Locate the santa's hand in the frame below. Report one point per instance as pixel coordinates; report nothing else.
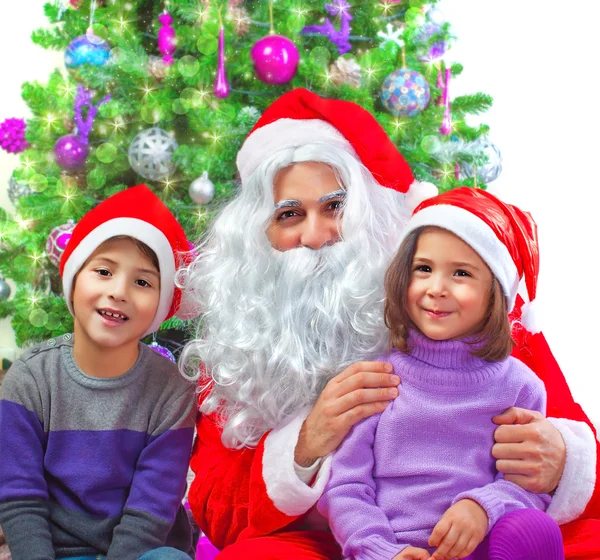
(460, 530)
(361, 390)
(412, 553)
(529, 450)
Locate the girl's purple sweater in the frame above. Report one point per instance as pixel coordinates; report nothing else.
(397, 472)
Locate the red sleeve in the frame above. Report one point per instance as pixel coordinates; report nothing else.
(533, 351)
(228, 496)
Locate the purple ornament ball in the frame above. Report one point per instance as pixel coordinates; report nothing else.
(163, 351)
(275, 59)
(71, 151)
(57, 241)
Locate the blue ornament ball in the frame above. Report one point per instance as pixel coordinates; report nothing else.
(87, 49)
(405, 93)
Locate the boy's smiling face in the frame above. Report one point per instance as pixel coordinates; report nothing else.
(116, 296)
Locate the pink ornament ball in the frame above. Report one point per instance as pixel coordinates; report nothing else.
(71, 152)
(58, 240)
(12, 136)
(275, 59)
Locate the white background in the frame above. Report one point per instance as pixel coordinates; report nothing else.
(540, 63)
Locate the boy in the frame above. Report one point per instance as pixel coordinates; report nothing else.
(96, 428)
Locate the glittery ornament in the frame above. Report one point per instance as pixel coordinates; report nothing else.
(166, 38)
(57, 241)
(275, 59)
(434, 22)
(87, 49)
(156, 67)
(151, 152)
(4, 289)
(405, 93)
(446, 127)
(221, 88)
(162, 350)
(340, 38)
(17, 189)
(345, 71)
(202, 190)
(241, 20)
(71, 151)
(486, 172)
(12, 136)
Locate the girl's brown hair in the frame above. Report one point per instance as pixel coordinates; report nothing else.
(492, 343)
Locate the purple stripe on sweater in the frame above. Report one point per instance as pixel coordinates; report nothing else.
(22, 444)
(97, 477)
(160, 480)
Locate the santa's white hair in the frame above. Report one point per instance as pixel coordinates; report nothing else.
(275, 327)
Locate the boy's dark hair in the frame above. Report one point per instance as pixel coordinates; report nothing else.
(492, 343)
(143, 248)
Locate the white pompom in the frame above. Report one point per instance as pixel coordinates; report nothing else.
(530, 317)
(418, 192)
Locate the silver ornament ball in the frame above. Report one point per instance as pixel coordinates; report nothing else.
(151, 152)
(4, 289)
(486, 172)
(17, 189)
(202, 190)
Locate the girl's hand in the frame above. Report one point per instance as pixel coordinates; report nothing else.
(412, 553)
(362, 389)
(460, 530)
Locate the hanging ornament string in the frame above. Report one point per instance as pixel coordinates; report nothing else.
(446, 127)
(83, 100)
(272, 27)
(339, 38)
(221, 88)
(62, 6)
(403, 56)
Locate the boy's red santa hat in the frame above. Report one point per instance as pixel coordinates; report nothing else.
(504, 236)
(301, 117)
(138, 213)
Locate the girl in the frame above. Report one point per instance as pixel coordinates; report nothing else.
(418, 481)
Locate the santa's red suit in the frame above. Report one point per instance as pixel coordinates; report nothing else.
(253, 499)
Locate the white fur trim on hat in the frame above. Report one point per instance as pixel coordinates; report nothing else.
(140, 230)
(478, 235)
(287, 492)
(417, 193)
(286, 133)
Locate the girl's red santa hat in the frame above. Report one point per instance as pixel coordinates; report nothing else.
(301, 117)
(138, 213)
(504, 236)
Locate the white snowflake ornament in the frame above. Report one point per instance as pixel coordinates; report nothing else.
(151, 152)
(391, 35)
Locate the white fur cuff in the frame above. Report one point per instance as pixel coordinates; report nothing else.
(578, 480)
(287, 492)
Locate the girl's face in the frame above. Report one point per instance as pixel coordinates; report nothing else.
(449, 288)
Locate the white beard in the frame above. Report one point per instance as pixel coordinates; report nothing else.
(276, 332)
(275, 326)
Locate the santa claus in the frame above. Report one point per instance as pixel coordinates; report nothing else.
(289, 286)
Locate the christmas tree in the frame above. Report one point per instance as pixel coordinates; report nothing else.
(164, 93)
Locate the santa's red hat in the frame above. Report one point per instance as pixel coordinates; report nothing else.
(504, 236)
(138, 213)
(301, 117)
